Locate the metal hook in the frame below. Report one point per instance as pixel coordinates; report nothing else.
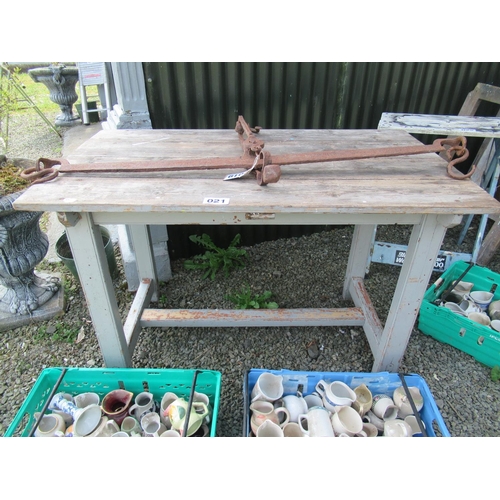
(44, 171)
(460, 159)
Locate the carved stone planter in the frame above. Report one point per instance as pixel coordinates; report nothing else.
(23, 245)
(61, 81)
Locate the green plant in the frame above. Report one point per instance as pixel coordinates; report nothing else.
(58, 333)
(216, 258)
(247, 300)
(495, 373)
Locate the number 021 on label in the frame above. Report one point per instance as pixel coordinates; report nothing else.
(216, 201)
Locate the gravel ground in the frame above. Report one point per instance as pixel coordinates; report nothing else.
(468, 400)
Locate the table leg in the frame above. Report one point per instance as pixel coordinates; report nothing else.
(91, 264)
(359, 255)
(144, 256)
(425, 242)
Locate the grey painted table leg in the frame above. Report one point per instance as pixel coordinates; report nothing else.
(144, 256)
(90, 259)
(425, 242)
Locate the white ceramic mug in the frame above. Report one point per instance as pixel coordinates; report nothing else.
(268, 387)
(335, 394)
(295, 404)
(265, 410)
(402, 401)
(131, 426)
(383, 406)
(364, 399)
(370, 430)
(318, 422)
(86, 398)
(481, 318)
(313, 399)
(469, 306)
(347, 421)
(453, 307)
(397, 428)
(494, 310)
(411, 420)
(481, 298)
(51, 425)
(373, 419)
(144, 403)
(269, 429)
(463, 287)
(110, 428)
(106, 428)
(170, 433)
(292, 429)
(151, 425)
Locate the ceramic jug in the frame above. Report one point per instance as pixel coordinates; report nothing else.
(335, 394)
(51, 425)
(268, 387)
(168, 397)
(116, 404)
(264, 410)
(177, 412)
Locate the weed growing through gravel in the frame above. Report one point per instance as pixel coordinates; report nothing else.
(58, 333)
(215, 258)
(245, 299)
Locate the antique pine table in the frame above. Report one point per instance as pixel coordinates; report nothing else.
(413, 190)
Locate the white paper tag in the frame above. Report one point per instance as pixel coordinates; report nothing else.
(239, 175)
(230, 177)
(216, 201)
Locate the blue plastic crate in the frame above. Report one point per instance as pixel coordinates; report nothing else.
(104, 380)
(378, 383)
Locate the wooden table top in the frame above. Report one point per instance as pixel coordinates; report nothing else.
(397, 185)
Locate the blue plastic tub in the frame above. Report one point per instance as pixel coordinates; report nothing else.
(378, 383)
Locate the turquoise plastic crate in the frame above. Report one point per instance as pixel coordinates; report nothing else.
(378, 383)
(102, 381)
(481, 342)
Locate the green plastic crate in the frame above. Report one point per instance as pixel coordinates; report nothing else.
(481, 342)
(102, 381)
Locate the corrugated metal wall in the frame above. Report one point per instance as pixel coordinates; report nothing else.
(306, 94)
(302, 95)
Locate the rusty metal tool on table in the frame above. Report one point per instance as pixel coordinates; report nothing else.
(255, 159)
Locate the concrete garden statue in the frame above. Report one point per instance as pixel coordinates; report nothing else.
(61, 81)
(23, 245)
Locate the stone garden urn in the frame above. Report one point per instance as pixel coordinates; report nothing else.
(61, 81)
(23, 245)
